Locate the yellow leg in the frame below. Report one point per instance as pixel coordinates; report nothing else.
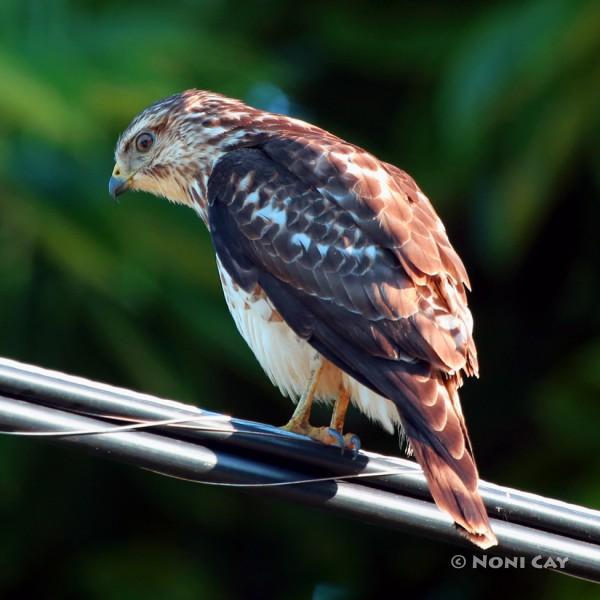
(333, 435)
(340, 408)
(338, 417)
(299, 423)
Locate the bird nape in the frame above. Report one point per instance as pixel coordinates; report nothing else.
(336, 269)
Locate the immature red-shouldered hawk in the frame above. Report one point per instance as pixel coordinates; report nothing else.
(336, 269)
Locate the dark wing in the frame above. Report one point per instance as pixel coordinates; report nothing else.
(388, 206)
(326, 255)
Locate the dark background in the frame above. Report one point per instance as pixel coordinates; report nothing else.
(493, 108)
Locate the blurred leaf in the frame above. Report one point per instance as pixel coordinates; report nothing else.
(146, 570)
(24, 92)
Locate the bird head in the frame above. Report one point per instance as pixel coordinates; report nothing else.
(176, 141)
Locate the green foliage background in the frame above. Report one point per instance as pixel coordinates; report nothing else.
(494, 109)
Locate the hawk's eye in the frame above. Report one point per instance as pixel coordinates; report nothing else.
(144, 141)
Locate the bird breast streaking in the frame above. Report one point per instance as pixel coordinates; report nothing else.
(336, 269)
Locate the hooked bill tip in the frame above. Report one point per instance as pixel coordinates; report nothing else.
(117, 186)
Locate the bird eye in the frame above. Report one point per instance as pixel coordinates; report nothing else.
(144, 141)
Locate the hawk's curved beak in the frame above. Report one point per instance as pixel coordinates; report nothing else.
(118, 184)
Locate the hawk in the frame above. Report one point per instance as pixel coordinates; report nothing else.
(336, 269)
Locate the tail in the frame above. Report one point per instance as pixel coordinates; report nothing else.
(455, 493)
(426, 397)
(435, 426)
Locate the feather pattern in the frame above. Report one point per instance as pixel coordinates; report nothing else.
(288, 359)
(324, 250)
(362, 279)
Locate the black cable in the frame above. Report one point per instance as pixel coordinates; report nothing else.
(76, 394)
(259, 453)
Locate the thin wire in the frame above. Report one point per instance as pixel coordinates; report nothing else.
(148, 424)
(231, 429)
(286, 483)
(179, 422)
(116, 429)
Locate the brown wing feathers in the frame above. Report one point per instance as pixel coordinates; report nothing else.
(355, 259)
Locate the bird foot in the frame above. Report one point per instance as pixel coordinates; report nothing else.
(326, 435)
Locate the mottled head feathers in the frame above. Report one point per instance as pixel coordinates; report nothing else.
(190, 131)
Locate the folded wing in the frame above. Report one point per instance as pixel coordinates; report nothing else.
(356, 261)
